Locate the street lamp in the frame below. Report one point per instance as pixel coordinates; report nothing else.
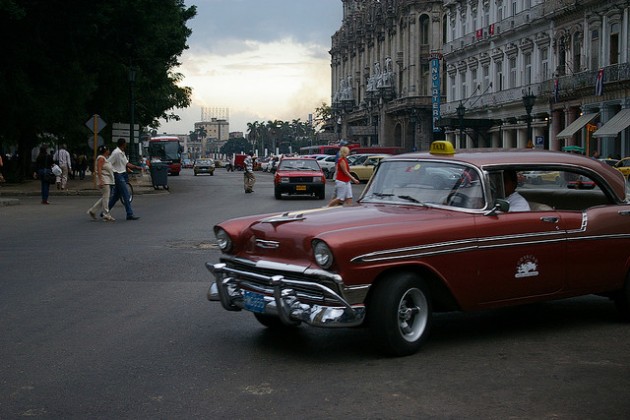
(528, 101)
(461, 111)
(132, 147)
(413, 119)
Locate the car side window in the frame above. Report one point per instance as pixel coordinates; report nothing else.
(565, 190)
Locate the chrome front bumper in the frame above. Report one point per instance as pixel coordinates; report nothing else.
(291, 300)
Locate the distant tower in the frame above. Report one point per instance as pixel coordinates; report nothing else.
(209, 114)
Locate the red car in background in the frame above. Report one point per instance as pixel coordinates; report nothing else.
(299, 176)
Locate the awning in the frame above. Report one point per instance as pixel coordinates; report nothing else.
(576, 125)
(612, 127)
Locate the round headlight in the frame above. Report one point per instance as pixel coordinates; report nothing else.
(223, 239)
(323, 254)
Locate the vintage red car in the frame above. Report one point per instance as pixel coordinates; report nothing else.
(410, 248)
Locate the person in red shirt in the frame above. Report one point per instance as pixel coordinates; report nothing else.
(343, 179)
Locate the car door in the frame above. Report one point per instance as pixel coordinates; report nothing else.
(520, 255)
(598, 249)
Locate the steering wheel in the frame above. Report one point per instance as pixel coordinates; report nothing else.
(457, 199)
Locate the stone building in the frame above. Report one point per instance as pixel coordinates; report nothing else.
(381, 72)
(569, 59)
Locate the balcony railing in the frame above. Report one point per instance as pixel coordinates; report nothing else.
(510, 23)
(568, 87)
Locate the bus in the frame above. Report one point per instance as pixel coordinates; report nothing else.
(332, 149)
(325, 149)
(386, 150)
(168, 150)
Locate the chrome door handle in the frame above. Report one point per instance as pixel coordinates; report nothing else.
(624, 212)
(549, 219)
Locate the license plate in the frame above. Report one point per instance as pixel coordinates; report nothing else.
(300, 188)
(254, 302)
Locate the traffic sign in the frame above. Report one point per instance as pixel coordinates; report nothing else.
(100, 141)
(95, 123)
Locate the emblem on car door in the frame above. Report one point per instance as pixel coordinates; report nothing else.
(527, 266)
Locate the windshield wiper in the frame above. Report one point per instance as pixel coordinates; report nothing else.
(409, 198)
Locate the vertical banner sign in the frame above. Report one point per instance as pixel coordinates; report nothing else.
(435, 90)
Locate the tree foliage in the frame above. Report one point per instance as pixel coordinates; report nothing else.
(234, 146)
(65, 60)
(283, 136)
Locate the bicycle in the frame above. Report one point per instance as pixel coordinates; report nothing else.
(129, 188)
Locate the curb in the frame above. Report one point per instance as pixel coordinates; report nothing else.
(9, 202)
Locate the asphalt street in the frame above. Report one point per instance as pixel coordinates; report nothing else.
(110, 320)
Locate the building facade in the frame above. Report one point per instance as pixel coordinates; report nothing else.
(381, 61)
(512, 73)
(569, 59)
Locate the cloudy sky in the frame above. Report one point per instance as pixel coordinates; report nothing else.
(262, 59)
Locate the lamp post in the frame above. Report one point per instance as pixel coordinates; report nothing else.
(132, 147)
(528, 101)
(413, 119)
(461, 111)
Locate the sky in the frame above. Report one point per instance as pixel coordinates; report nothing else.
(262, 59)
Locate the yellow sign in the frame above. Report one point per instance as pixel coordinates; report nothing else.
(442, 147)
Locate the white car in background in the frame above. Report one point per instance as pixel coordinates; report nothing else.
(328, 163)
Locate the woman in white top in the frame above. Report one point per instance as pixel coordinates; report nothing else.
(105, 179)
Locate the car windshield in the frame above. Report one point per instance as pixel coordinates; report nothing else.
(426, 183)
(299, 165)
(358, 160)
(204, 162)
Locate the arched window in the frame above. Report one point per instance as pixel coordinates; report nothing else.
(594, 50)
(577, 52)
(444, 29)
(424, 30)
(614, 43)
(562, 57)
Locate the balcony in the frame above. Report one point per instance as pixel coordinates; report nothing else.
(500, 28)
(572, 87)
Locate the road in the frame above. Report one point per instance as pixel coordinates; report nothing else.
(110, 320)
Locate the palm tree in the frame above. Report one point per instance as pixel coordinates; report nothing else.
(253, 133)
(201, 135)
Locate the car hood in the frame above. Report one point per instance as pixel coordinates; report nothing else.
(348, 231)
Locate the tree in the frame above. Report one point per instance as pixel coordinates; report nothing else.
(234, 146)
(70, 59)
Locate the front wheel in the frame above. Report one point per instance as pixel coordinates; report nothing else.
(400, 314)
(130, 189)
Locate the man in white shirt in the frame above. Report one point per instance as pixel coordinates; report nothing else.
(62, 156)
(249, 178)
(517, 201)
(120, 164)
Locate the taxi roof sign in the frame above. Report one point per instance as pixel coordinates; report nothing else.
(442, 147)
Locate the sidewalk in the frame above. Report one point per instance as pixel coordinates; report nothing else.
(10, 193)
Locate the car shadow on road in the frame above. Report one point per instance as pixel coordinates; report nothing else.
(539, 321)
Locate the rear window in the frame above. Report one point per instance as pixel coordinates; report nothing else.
(299, 165)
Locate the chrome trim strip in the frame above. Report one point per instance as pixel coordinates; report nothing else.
(287, 268)
(260, 243)
(456, 246)
(426, 250)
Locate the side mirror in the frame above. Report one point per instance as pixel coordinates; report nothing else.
(500, 205)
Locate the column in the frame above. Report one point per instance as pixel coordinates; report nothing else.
(556, 116)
